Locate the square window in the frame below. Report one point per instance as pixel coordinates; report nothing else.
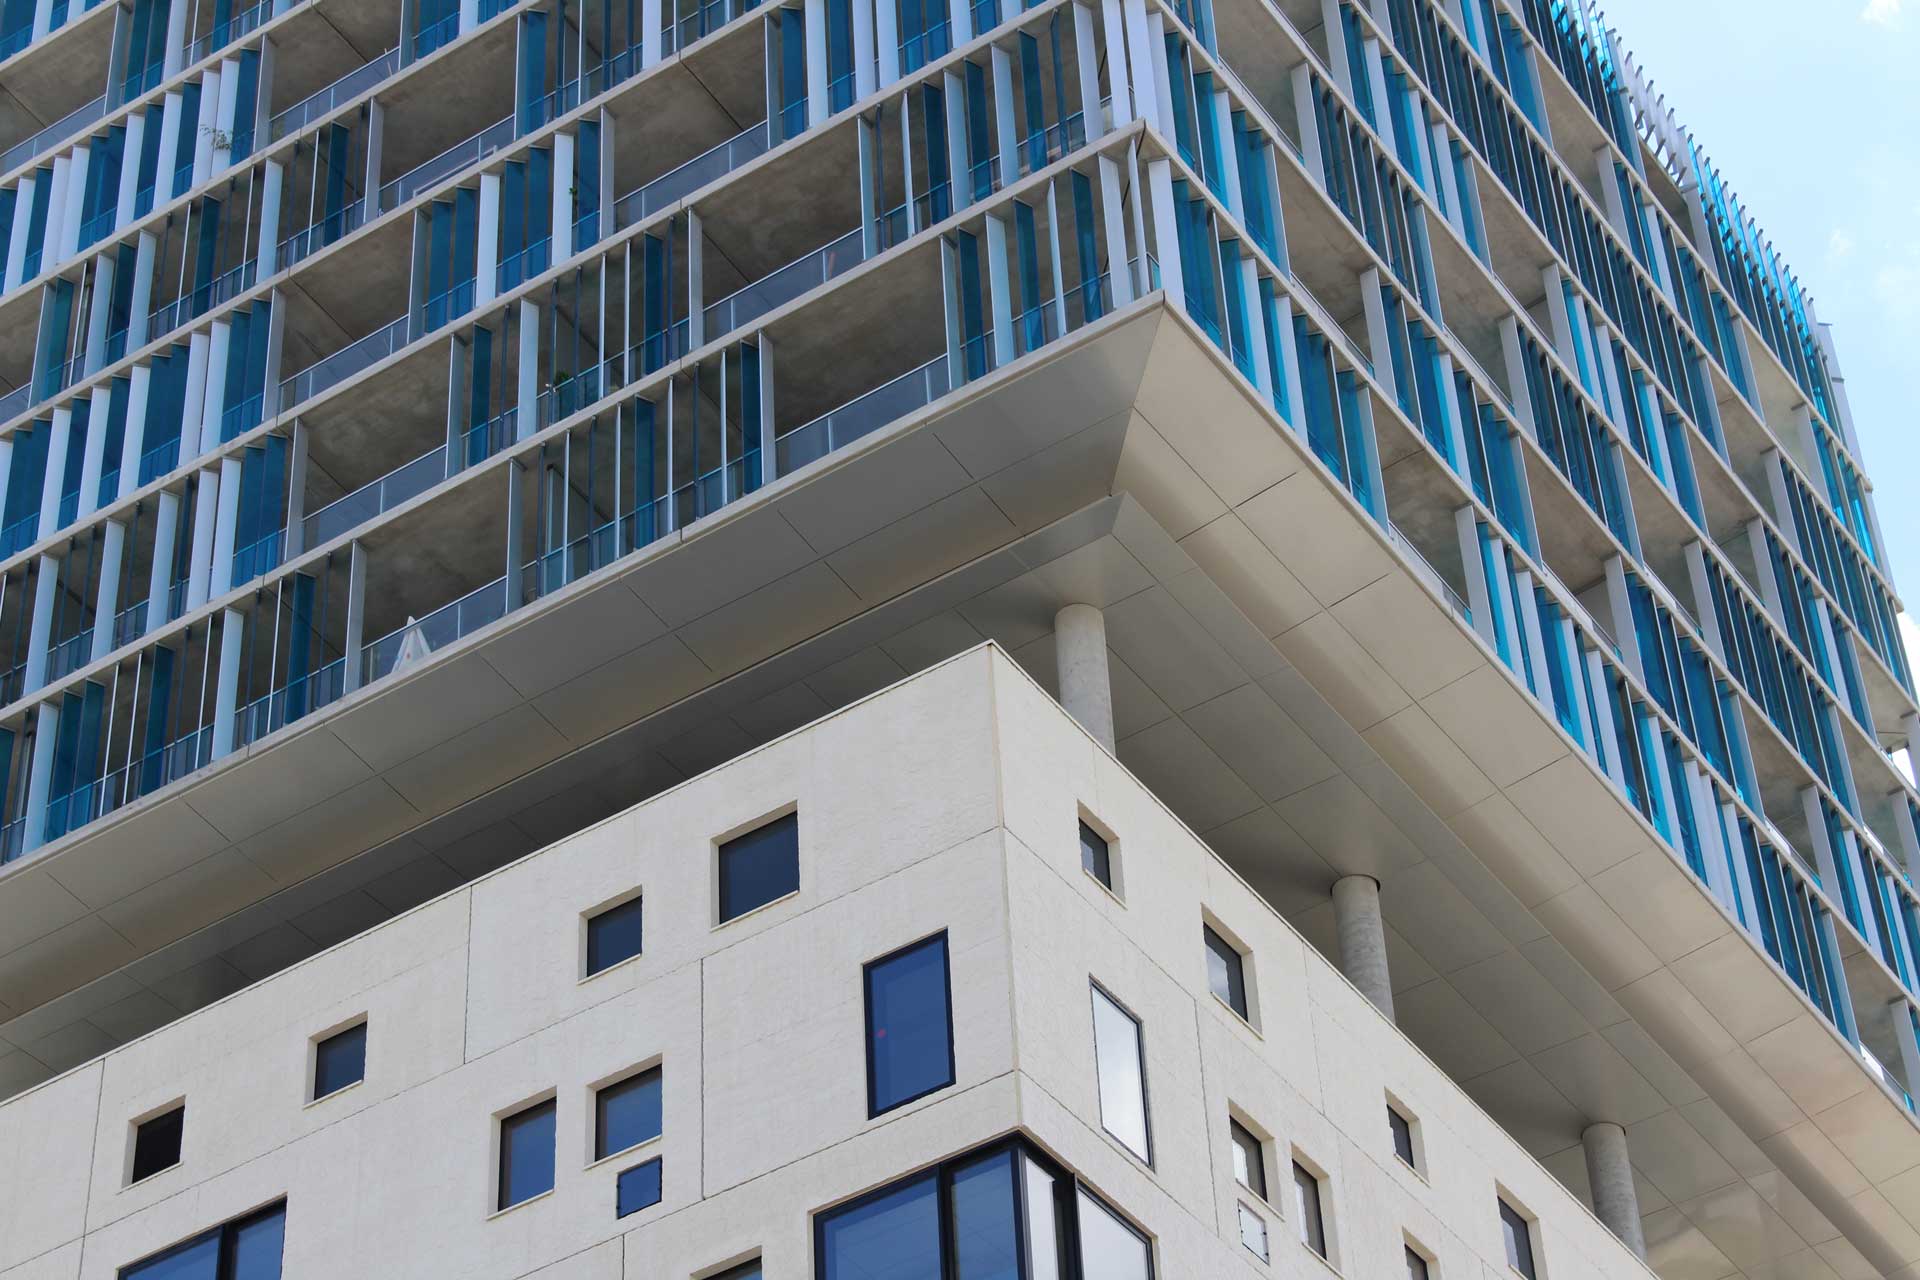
(1519, 1237)
(1402, 1129)
(1313, 1223)
(1249, 1162)
(526, 1154)
(1226, 971)
(637, 1188)
(1417, 1266)
(759, 867)
(909, 1025)
(1120, 1062)
(1096, 855)
(339, 1060)
(626, 1114)
(1253, 1232)
(613, 935)
(156, 1143)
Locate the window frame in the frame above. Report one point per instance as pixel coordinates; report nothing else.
(135, 1178)
(717, 860)
(595, 1117)
(319, 1041)
(1212, 932)
(1235, 1127)
(867, 971)
(1510, 1213)
(1412, 1252)
(1415, 1160)
(1114, 884)
(1321, 1218)
(1099, 993)
(502, 1123)
(633, 896)
(659, 1186)
(224, 1233)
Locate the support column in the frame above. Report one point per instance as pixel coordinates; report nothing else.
(166, 532)
(1615, 1202)
(1363, 939)
(226, 697)
(486, 272)
(269, 255)
(1080, 657)
(356, 617)
(225, 527)
(107, 604)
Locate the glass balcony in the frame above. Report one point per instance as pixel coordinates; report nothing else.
(404, 482)
(345, 89)
(57, 132)
(744, 146)
(344, 363)
(401, 648)
(289, 703)
(784, 285)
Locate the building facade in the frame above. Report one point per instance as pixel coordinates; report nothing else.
(427, 433)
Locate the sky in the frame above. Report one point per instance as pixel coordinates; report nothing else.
(1811, 111)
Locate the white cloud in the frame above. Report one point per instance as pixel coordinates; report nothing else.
(1839, 244)
(1881, 12)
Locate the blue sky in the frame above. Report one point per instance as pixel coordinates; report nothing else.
(1810, 110)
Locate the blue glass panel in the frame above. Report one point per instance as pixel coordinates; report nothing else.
(627, 1114)
(986, 1240)
(526, 1154)
(759, 867)
(895, 1234)
(909, 1025)
(637, 1188)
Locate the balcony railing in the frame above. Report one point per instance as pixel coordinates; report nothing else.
(863, 415)
(460, 155)
(69, 655)
(784, 285)
(344, 363)
(404, 482)
(345, 89)
(402, 647)
(744, 146)
(59, 131)
(290, 702)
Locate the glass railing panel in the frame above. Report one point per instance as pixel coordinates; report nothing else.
(292, 701)
(370, 500)
(691, 176)
(784, 285)
(343, 363)
(459, 156)
(59, 131)
(862, 415)
(345, 89)
(413, 642)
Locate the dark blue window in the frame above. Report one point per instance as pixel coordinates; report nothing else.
(638, 1188)
(1226, 971)
(759, 867)
(526, 1154)
(1096, 856)
(894, 1233)
(340, 1060)
(909, 1025)
(245, 1249)
(613, 936)
(626, 1114)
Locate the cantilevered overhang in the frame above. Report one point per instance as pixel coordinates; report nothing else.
(1285, 678)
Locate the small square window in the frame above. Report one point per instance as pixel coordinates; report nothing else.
(1226, 971)
(909, 1025)
(1096, 855)
(1519, 1238)
(526, 1154)
(759, 867)
(1249, 1162)
(613, 935)
(1312, 1219)
(1253, 1232)
(1402, 1129)
(1417, 1266)
(626, 1114)
(340, 1060)
(637, 1188)
(156, 1143)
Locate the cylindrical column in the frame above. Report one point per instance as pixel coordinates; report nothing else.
(1080, 656)
(1363, 939)
(1615, 1202)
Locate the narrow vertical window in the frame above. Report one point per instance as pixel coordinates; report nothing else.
(759, 867)
(526, 1154)
(1120, 1061)
(909, 1025)
(156, 1143)
(1226, 971)
(339, 1060)
(1249, 1164)
(1402, 1130)
(1519, 1237)
(1417, 1268)
(1096, 856)
(613, 935)
(1313, 1225)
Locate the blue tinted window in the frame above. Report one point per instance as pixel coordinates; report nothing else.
(909, 1027)
(895, 1234)
(1226, 972)
(613, 936)
(1519, 1239)
(638, 1188)
(340, 1060)
(526, 1154)
(246, 1249)
(745, 1271)
(626, 1114)
(759, 867)
(985, 1238)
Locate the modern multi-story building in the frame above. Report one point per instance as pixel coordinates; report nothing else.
(430, 431)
